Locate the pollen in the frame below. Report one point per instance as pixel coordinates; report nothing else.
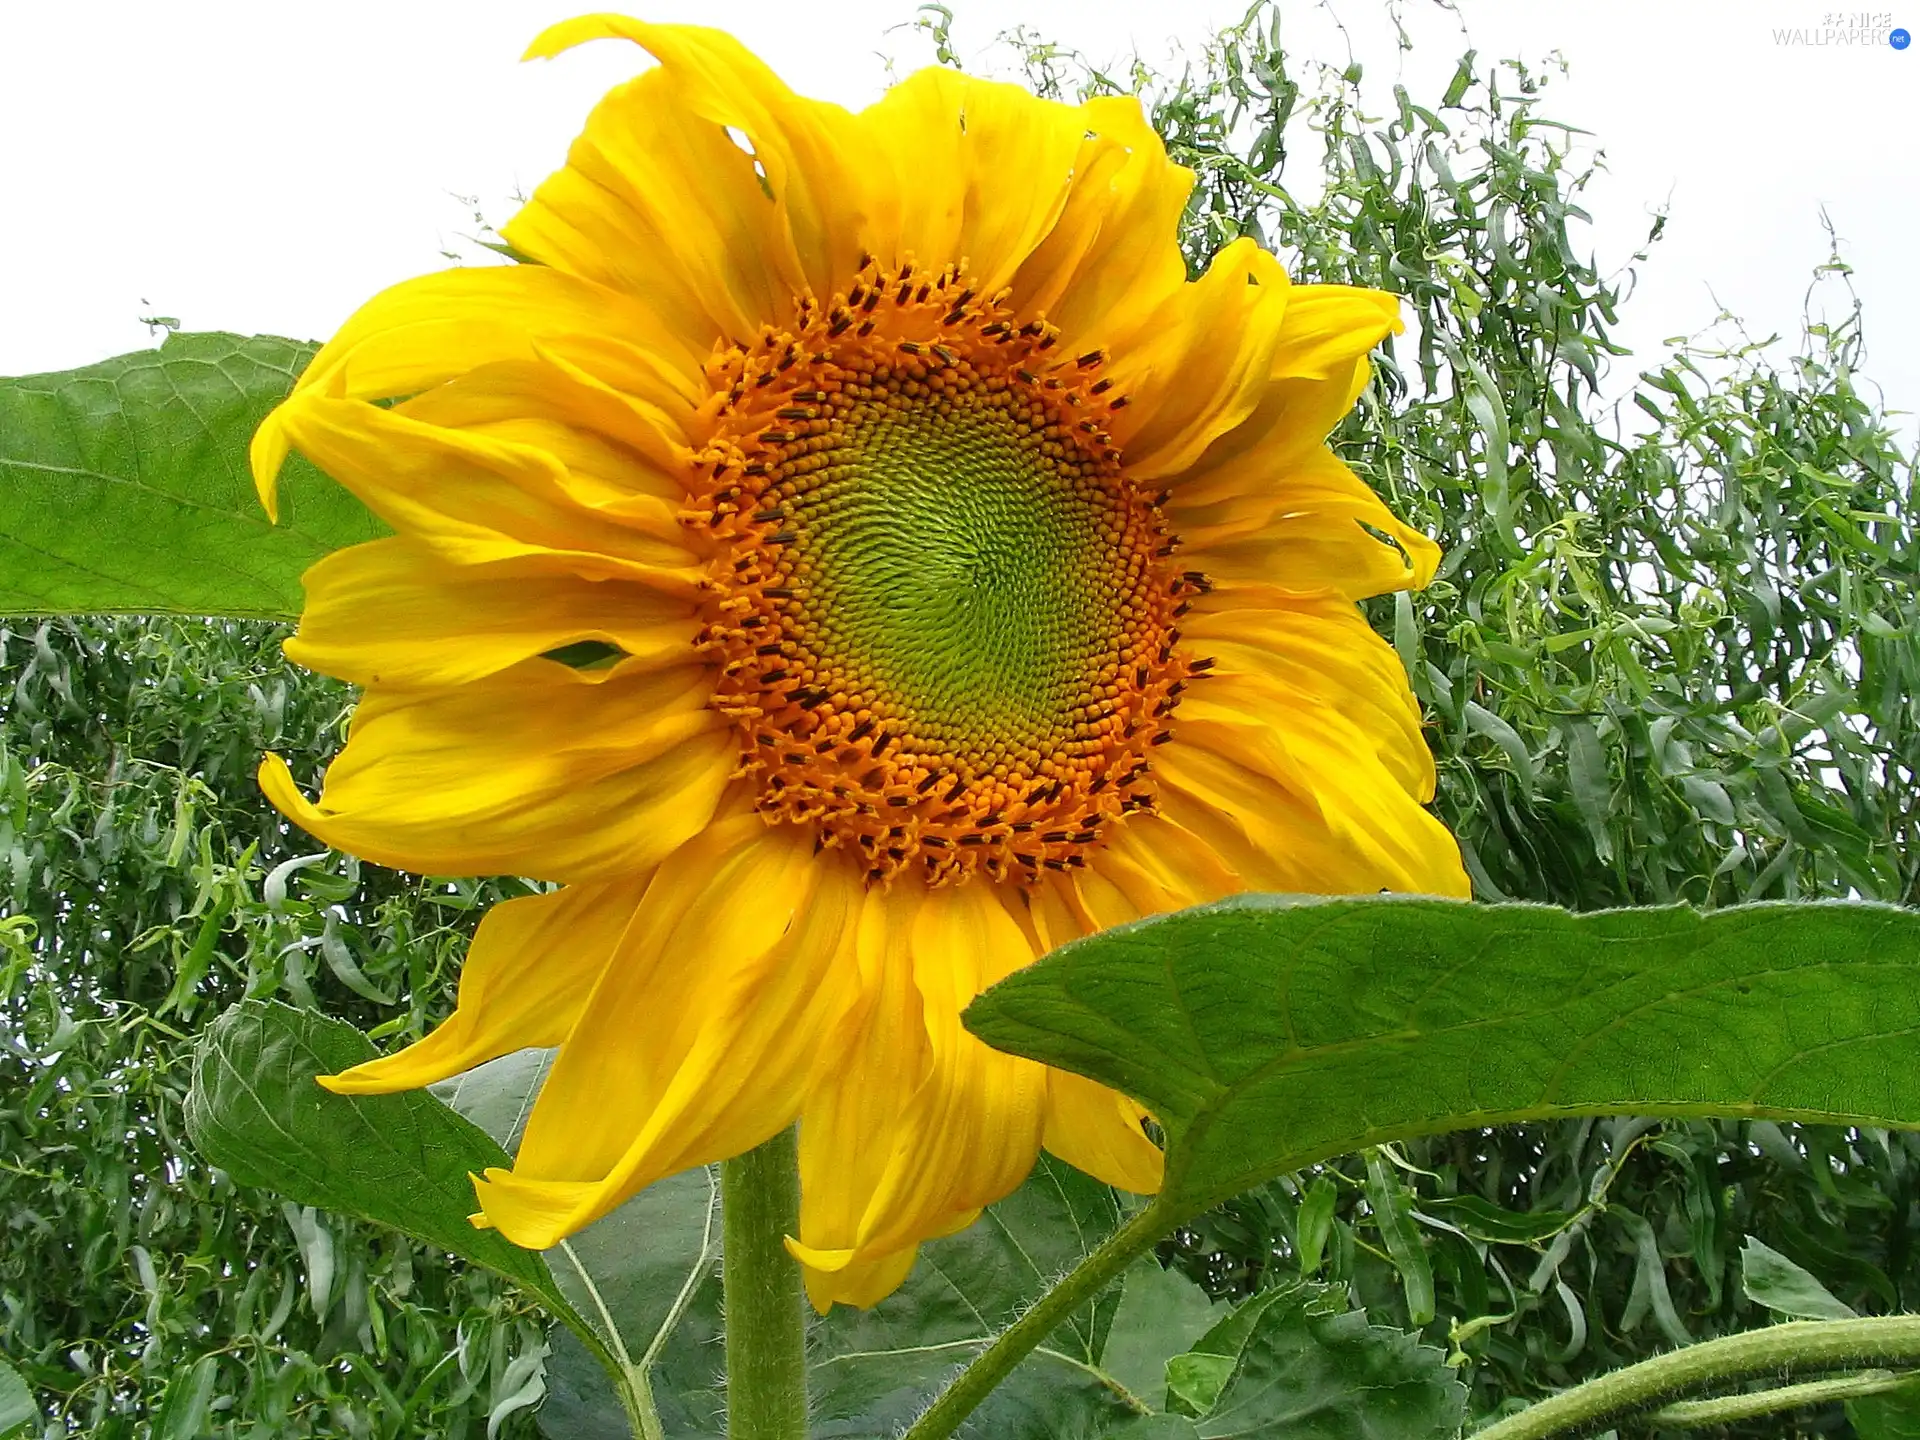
(943, 617)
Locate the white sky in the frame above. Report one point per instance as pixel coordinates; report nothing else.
(264, 166)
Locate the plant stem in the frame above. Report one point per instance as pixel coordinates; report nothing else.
(1080, 1285)
(1725, 1409)
(1801, 1345)
(766, 1326)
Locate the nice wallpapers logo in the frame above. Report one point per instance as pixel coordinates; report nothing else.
(1855, 28)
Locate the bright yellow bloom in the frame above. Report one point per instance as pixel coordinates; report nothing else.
(964, 580)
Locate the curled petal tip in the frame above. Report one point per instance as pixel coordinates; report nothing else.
(266, 454)
(566, 34)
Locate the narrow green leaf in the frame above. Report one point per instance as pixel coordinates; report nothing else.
(124, 486)
(1393, 1213)
(1592, 787)
(1268, 1033)
(17, 1407)
(183, 1414)
(1483, 721)
(1771, 1279)
(1315, 1223)
(1490, 414)
(1483, 1220)
(256, 1111)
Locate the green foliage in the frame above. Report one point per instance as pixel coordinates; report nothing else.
(1892, 1416)
(122, 487)
(257, 1111)
(1298, 1357)
(146, 885)
(1671, 664)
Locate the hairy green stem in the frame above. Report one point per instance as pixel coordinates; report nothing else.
(1725, 1409)
(1803, 1345)
(1080, 1285)
(766, 1325)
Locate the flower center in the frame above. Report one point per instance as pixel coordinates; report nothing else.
(944, 616)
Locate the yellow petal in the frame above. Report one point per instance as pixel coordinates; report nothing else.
(391, 612)
(630, 445)
(535, 771)
(960, 1129)
(1329, 327)
(851, 1124)
(1318, 661)
(1305, 809)
(1319, 368)
(1287, 427)
(1201, 362)
(1305, 529)
(1098, 1130)
(423, 332)
(473, 499)
(527, 975)
(1161, 867)
(655, 200)
(977, 170)
(699, 1039)
(807, 150)
(1113, 257)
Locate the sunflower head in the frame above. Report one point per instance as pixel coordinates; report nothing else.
(966, 580)
(947, 620)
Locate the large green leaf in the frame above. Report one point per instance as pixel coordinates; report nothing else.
(124, 486)
(17, 1410)
(1892, 1416)
(401, 1160)
(499, 1094)
(646, 1279)
(1295, 1361)
(875, 1370)
(1267, 1033)
(1161, 1313)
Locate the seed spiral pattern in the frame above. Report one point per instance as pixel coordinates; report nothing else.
(945, 618)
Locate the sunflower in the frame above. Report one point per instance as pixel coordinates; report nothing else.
(851, 558)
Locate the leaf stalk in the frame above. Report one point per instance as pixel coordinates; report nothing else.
(1799, 1346)
(1079, 1286)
